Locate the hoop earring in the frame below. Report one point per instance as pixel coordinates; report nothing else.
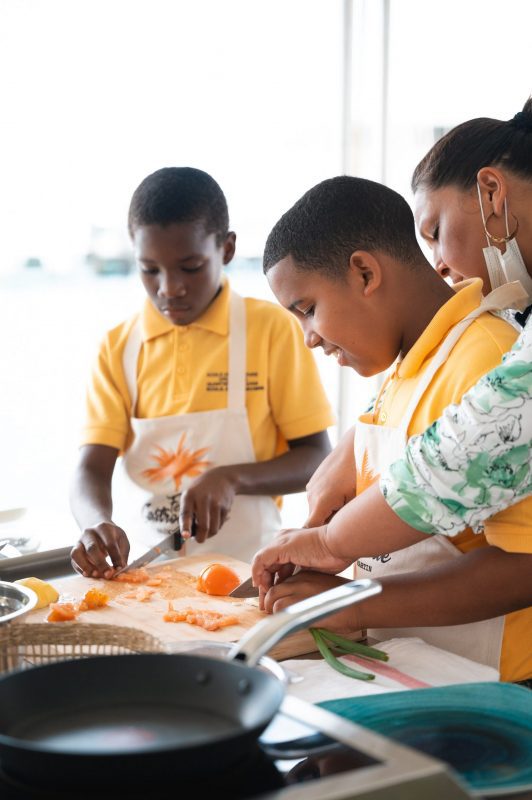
(501, 239)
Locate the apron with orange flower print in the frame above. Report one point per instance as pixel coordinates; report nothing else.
(376, 447)
(167, 453)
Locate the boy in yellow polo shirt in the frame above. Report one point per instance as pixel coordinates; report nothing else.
(346, 262)
(211, 399)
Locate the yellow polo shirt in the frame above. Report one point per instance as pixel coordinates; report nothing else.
(478, 351)
(183, 369)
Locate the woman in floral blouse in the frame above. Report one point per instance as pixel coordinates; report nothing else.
(476, 459)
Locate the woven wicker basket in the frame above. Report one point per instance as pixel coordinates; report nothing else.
(23, 646)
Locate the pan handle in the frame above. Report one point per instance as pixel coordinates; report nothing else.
(263, 636)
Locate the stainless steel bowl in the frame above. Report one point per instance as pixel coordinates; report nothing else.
(15, 600)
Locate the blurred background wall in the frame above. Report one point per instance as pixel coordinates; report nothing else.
(270, 97)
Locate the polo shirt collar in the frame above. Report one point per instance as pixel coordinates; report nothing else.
(215, 318)
(467, 298)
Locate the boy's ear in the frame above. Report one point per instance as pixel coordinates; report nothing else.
(366, 270)
(494, 190)
(229, 247)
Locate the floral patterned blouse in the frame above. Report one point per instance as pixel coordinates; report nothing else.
(475, 460)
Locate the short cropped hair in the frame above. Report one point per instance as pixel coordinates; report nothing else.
(457, 157)
(339, 216)
(179, 194)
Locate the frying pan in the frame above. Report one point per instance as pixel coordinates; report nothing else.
(150, 718)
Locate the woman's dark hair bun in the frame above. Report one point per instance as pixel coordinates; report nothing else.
(456, 158)
(523, 119)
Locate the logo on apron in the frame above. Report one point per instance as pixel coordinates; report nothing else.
(163, 512)
(176, 465)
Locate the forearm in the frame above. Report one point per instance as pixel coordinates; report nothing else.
(90, 498)
(90, 492)
(367, 526)
(470, 588)
(333, 484)
(284, 474)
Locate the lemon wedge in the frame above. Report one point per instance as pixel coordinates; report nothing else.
(46, 593)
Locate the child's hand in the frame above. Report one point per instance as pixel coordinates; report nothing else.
(306, 548)
(333, 484)
(89, 556)
(207, 503)
(308, 584)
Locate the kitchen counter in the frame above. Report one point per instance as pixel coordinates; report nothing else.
(319, 682)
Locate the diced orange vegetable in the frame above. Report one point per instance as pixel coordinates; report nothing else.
(133, 576)
(154, 582)
(218, 579)
(94, 598)
(210, 620)
(142, 593)
(62, 612)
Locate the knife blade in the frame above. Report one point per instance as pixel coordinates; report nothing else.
(171, 542)
(245, 589)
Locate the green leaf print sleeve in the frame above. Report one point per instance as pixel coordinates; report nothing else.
(475, 460)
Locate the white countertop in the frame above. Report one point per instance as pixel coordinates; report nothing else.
(412, 664)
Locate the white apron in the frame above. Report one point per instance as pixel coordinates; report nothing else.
(376, 448)
(221, 437)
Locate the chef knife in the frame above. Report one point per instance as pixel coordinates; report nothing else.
(245, 589)
(171, 542)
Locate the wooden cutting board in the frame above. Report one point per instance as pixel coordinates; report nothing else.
(178, 586)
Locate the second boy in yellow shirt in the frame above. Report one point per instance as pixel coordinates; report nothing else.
(346, 262)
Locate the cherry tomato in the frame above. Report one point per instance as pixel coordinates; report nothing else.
(218, 579)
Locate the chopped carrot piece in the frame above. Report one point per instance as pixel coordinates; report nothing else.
(133, 576)
(62, 612)
(154, 582)
(94, 598)
(210, 620)
(142, 593)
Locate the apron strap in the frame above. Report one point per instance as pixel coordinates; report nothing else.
(509, 295)
(505, 296)
(236, 377)
(130, 359)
